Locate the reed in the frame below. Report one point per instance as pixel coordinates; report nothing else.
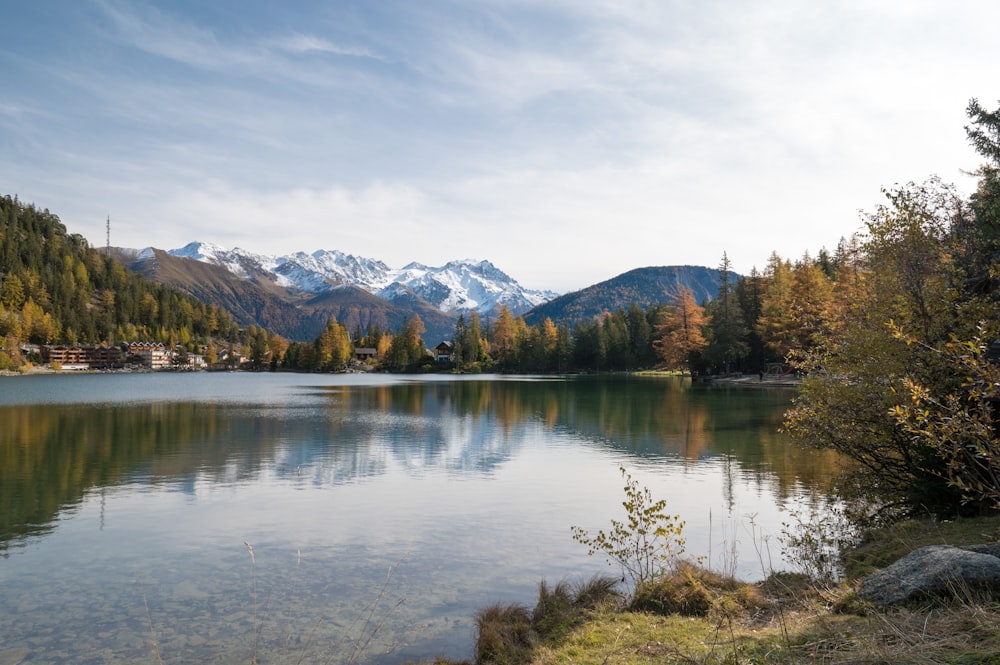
(149, 621)
(253, 569)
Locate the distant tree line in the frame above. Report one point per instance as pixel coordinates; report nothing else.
(757, 319)
(764, 317)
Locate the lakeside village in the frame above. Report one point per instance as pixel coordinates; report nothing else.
(156, 356)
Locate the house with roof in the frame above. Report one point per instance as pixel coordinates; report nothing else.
(444, 352)
(363, 353)
(153, 355)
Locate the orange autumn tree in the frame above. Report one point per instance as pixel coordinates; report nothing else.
(679, 337)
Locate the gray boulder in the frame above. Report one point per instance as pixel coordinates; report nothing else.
(934, 570)
(993, 549)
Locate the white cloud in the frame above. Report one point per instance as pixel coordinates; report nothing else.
(566, 141)
(156, 32)
(304, 43)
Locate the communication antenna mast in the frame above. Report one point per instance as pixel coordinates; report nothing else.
(107, 229)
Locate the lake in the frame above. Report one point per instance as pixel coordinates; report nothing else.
(204, 517)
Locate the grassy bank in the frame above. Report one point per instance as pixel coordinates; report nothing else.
(696, 616)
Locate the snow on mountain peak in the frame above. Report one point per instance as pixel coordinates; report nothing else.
(145, 254)
(201, 251)
(208, 253)
(458, 286)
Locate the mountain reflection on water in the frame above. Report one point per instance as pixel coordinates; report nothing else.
(53, 454)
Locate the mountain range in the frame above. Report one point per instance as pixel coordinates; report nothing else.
(458, 286)
(294, 295)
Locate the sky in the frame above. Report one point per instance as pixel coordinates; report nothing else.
(566, 141)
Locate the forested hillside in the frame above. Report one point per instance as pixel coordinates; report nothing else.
(357, 309)
(250, 301)
(645, 287)
(55, 288)
(257, 300)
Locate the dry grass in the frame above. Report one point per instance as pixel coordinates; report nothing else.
(510, 634)
(690, 590)
(505, 635)
(959, 633)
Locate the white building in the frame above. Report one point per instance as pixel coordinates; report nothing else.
(153, 355)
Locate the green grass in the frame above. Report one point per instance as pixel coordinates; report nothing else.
(660, 372)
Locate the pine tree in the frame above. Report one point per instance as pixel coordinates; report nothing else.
(679, 337)
(727, 332)
(810, 300)
(774, 323)
(504, 344)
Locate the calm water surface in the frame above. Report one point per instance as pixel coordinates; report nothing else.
(201, 517)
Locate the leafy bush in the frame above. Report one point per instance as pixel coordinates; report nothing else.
(959, 425)
(860, 377)
(647, 544)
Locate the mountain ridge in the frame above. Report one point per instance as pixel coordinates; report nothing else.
(294, 295)
(296, 315)
(645, 287)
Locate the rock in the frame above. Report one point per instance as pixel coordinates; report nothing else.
(934, 570)
(993, 549)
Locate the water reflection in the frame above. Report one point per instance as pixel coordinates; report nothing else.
(52, 455)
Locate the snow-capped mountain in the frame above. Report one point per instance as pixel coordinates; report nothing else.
(456, 287)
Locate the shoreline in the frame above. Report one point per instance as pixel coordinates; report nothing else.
(749, 380)
(756, 381)
(746, 380)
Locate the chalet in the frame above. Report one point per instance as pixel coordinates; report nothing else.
(365, 353)
(444, 352)
(107, 356)
(230, 359)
